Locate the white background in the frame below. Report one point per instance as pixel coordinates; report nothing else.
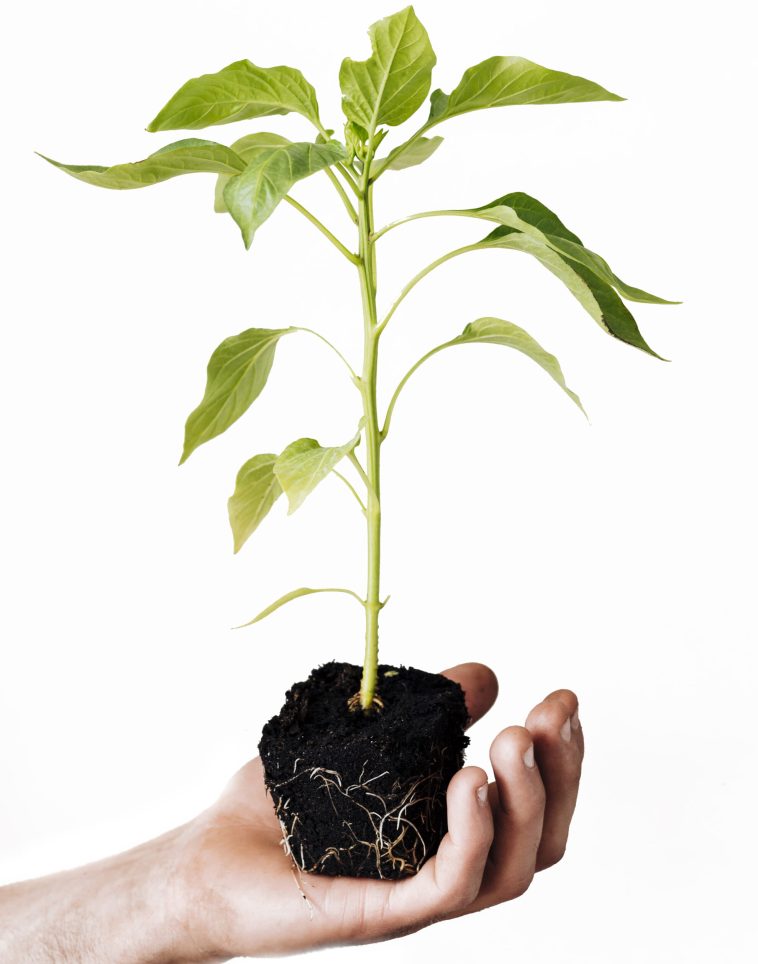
(616, 557)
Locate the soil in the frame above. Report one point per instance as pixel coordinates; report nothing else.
(363, 794)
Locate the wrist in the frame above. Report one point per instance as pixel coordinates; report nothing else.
(133, 907)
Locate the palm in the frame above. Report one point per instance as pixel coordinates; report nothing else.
(262, 904)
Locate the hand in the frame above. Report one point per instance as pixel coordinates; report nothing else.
(221, 886)
(245, 896)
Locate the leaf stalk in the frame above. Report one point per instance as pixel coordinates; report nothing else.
(420, 276)
(352, 258)
(353, 376)
(351, 487)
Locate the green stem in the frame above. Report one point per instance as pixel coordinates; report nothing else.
(349, 178)
(359, 469)
(350, 486)
(295, 594)
(401, 385)
(352, 213)
(367, 275)
(445, 213)
(336, 351)
(420, 276)
(403, 148)
(340, 167)
(322, 228)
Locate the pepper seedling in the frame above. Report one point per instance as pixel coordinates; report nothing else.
(259, 170)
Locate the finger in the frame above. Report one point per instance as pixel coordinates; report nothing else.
(518, 800)
(559, 748)
(449, 882)
(479, 685)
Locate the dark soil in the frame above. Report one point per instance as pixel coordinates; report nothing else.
(363, 794)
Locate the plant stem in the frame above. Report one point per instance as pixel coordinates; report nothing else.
(336, 350)
(403, 380)
(352, 213)
(367, 274)
(349, 178)
(443, 213)
(351, 487)
(359, 469)
(421, 275)
(322, 228)
(404, 147)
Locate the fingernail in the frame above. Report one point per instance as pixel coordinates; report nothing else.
(566, 731)
(482, 794)
(575, 721)
(529, 756)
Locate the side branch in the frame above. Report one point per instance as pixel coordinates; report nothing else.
(402, 383)
(420, 276)
(336, 351)
(402, 149)
(351, 487)
(360, 470)
(444, 213)
(352, 213)
(352, 258)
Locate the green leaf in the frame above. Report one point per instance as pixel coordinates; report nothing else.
(507, 81)
(393, 83)
(188, 156)
(598, 298)
(495, 331)
(305, 463)
(402, 157)
(237, 372)
(240, 91)
(255, 492)
(356, 138)
(252, 196)
(534, 218)
(247, 148)
(289, 596)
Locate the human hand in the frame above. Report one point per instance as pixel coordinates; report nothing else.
(245, 897)
(221, 886)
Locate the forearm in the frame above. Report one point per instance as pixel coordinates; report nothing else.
(128, 909)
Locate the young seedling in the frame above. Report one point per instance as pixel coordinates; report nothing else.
(255, 174)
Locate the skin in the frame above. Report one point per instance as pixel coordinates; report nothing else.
(221, 885)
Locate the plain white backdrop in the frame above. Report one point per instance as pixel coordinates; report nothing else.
(616, 557)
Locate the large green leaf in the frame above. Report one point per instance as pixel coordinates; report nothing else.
(392, 84)
(247, 148)
(256, 490)
(188, 156)
(495, 331)
(507, 81)
(305, 463)
(238, 92)
(598, 298)
(252, 196)
(237, 372)
(402, 157)
(526, 213)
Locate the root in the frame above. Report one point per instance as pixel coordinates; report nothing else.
(354, 704)
(398, 830)
(308, 904)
